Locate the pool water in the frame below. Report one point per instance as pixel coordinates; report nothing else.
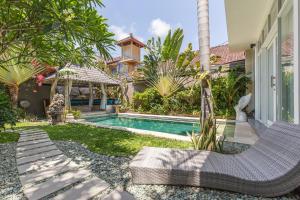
(178, 128)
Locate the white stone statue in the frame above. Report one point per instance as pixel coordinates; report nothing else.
(243, 102)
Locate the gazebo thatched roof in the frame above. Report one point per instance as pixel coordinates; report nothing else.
(84, 75)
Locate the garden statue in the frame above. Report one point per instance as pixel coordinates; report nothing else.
(243, 102)
(56, 108)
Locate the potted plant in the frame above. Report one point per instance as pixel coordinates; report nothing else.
(56, 108)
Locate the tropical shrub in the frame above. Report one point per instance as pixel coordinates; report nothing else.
(147, 100)
(75, 113)
(206, 139)
(186, 101)
(227, 90)
(7, 113)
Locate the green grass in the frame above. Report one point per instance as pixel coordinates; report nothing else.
(27, 125)
(7, 137)
(108, 141)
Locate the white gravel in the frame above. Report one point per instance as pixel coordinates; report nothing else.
(115, 171)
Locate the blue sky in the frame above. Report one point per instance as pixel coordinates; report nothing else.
(149, 18)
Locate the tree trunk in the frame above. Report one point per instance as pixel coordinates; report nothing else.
(204, 46)
(53, 88)
(14, 95)
(203, 33)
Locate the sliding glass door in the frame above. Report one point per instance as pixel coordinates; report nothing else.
(286, 68)
(271, 84)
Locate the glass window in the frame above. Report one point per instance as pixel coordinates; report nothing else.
(286, 76)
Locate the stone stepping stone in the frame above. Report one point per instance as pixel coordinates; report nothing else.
(33, 136)
(84, 191)
(55, 184)
(26, 139)
(31, 132)
(32, 142)
(45, 171)
(49, 172)
(36, 151)
(119, 195)
(34, 146)
(42, 164)
(37, 157)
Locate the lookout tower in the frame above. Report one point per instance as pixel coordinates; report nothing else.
(130, 56)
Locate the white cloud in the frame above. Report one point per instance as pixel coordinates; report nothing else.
(119, 32)
(159, 27)
(123, 32)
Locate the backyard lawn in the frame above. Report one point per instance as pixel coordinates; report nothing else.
(7, 137)
(100, 140)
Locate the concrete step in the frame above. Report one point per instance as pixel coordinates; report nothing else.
(35, 151)
(55, 184)
(42, 164)
(34, 146)
(31, 132)
(21, 144)
(84, 190)
(37, 157)
(32, 178)
(31, 138)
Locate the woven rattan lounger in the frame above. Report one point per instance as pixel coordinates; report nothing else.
(269, 168)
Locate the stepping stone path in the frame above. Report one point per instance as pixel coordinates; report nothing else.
(46, 172)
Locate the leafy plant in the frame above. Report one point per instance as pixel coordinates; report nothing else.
(206, 139)
(76, 113)
(147, 100)
(168, 79)
(158, 52)
(55, 32)
(7, 113)
(14, 75)
(227, 90)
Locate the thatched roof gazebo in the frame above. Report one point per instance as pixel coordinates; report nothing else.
(74, 75)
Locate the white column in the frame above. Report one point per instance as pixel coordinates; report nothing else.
(296, 61)
(103, 98)
(91, 98)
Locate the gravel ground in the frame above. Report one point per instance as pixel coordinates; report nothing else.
(115, 171)
(10, 186)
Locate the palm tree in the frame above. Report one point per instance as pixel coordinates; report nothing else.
(167, 80)
(14, 76)
(204, 45)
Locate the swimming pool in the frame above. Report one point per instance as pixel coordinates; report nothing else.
(156, 125)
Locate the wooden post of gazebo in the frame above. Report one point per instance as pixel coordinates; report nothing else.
(91, 98)
(103, 98)
(68, 88)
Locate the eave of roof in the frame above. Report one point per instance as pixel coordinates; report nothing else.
(132, 39)
(86, 75)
